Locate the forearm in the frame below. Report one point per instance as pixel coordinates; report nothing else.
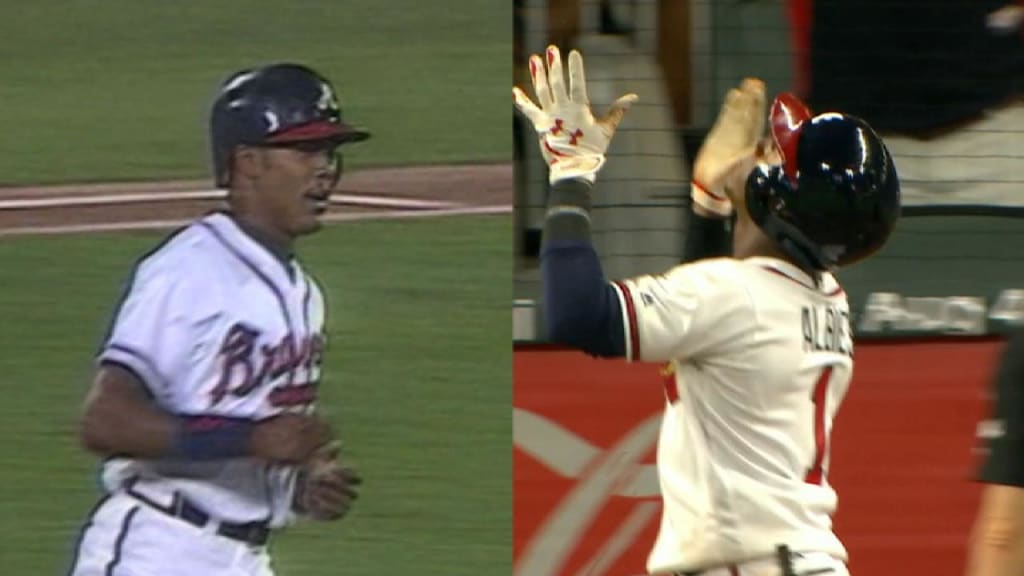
(994, 556)
(581, 308)
(119, 420)
(151, 433)
(112, 426)
(997, 540)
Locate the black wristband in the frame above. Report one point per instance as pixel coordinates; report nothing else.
(568, 213)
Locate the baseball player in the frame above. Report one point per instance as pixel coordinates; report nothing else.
(996, 547)
(759, 344)
(203, 403)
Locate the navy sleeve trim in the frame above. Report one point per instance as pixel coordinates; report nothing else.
(633, 352)
(138, 363)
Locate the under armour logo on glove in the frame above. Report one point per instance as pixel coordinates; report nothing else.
(557, 130)
(572, 140)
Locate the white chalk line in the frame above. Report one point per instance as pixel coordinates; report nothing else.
(182, 195)
(170, 224)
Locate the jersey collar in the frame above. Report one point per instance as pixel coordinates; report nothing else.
(250, 246)
(828, 283)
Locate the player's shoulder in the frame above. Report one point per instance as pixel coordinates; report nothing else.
(763, 270)
(183, 258)
(725, 271)
(718, 278)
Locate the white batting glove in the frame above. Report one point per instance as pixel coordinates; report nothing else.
(729, 147)
(572, 140)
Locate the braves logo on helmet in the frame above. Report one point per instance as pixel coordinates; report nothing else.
(327, 99)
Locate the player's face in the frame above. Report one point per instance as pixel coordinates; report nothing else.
(297, 183)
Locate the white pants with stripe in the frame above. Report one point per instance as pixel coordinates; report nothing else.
(125, 537)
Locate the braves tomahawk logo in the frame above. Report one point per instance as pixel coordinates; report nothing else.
(601, 474)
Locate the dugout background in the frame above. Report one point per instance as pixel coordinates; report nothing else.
(942, 86)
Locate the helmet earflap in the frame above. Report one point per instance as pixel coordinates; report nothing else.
(766, 192)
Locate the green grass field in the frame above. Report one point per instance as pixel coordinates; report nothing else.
(418, 379)
(120, 89)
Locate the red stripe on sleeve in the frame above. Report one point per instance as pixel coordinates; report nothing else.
(634, 337)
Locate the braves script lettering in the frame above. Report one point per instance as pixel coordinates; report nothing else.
(247, 364)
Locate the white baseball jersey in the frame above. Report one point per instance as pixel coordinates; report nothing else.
(215, 325)
(761, 358)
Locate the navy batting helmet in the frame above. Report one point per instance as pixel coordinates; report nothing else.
(276, 104)
(836, 197)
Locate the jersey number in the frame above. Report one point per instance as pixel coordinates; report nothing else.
(815, 473)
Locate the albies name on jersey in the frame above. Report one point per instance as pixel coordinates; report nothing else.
(826, 329)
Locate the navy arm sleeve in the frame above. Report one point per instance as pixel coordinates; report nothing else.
(1005, 461)
(581, 308)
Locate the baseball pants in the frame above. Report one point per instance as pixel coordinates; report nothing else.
(125, 537)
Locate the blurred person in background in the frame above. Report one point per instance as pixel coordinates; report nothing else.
(996, 545)
(940, 80)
